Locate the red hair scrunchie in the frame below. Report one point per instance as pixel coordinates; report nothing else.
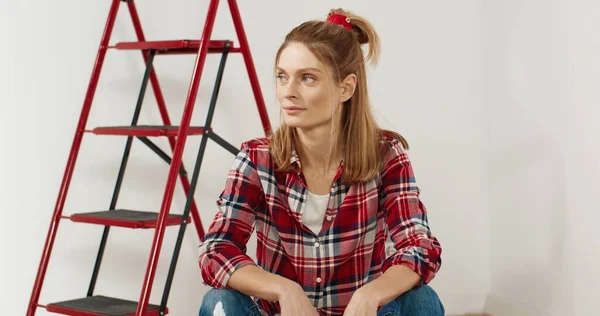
(341, 20)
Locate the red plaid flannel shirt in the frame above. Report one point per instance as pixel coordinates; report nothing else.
(348, 252)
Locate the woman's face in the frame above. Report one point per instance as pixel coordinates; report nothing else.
(304, 89)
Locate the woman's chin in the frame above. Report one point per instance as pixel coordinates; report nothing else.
(295, 122)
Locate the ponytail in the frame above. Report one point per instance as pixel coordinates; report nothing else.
(364, 32)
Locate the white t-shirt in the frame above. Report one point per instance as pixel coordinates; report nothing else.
(314, 213)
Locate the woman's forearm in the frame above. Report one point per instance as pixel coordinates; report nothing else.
(254, 281)
(394, 282)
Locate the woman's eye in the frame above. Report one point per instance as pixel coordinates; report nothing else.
(308, 79)
(280, 78)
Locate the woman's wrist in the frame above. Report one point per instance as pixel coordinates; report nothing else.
(396, 281)
(287, 287)
(369, 292)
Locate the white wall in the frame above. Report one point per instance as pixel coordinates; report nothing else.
(542, 58)
(428, 86)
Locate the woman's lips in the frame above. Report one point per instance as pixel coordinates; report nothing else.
(293, 109)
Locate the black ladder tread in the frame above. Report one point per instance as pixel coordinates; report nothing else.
(99, 305)
(125, 218)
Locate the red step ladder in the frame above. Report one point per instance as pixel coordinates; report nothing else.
(91, 304)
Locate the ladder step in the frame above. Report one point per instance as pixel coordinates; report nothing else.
(99, 305)
(124, 218)
(146, 130)
(177, 46)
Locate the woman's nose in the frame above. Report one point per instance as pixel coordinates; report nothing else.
(290, 90)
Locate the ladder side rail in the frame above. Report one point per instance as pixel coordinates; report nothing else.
(73, 154)
(195, 174)
(177, 157)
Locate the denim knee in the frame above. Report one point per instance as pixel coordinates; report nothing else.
(422, 298)
(221, 302)
(420, 301)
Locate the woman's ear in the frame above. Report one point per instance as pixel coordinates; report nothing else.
(348, 86)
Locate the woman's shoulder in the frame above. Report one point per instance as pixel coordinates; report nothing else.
(258, 143)
(257, 150)
(392, 143)
(395, 161)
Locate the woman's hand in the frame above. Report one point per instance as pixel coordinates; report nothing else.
(361, 304)
(294, 302)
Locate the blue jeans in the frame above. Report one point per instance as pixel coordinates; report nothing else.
(420, 301)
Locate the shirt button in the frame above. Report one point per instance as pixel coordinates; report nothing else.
(318, 280)
(328, 218)
(317, 244)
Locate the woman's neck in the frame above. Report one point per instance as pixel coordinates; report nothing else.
(315, 146)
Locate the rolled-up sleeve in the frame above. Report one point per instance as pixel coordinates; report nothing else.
(223, 249)
(406, 218)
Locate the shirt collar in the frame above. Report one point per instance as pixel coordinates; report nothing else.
(295, 159)
(295, 162)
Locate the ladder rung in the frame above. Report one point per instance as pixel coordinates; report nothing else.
(177, 46)
(124, 218)
(99, 305)
(146, 130)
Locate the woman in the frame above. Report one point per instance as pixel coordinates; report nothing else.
(322, 193)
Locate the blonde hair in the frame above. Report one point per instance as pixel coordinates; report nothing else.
(355, 132)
